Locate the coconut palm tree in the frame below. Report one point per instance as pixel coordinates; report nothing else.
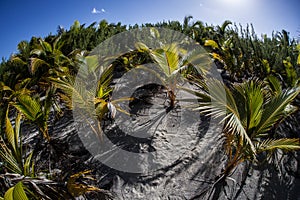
(186, 28)
(9, 96)
(173, 62)
(47, 61)
(90, 102)
(20, 169)
(253, 109)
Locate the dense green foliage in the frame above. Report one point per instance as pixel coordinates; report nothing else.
(261, 76)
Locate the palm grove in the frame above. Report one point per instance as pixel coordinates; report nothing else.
(261, 81)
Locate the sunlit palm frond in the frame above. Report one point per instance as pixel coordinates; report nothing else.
(286, 144)
(9, 132)
(249, 98)
(17, 61)
(36, 63)
(30, 107)
(211, 43)
(224, 105)
(45, 46)
(16, 192)
(274, 85)
(28, 167)
(11, 150)
(172, 54)
(105, 73)
(92, 63)
(198, 59)
(274, 110)
(103, 87)
(167, 58)
(8, 156)
(74, 91)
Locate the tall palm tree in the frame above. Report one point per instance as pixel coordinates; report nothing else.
(186, 28)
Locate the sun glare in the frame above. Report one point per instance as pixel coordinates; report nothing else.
(232, 1)
(236, 4)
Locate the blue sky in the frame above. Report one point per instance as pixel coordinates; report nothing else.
(20, 20)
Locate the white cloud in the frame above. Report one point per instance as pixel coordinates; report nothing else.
(95, 11)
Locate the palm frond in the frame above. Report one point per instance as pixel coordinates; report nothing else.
(75, 92)
(7, 155)
(223, 104)
(30, 107)
(103, 88)
(18, 128)
(274, 85)
(172, 56)
(211, 43)
(12, 152)
(92, 63)
(9, 132)
(16, 193)
(36, 63)
(29, 166)
(105, 73)
(198, 59)
(167, 58)
(286, 144)
(17, 61)
(250, 99)
(274, 110)
(78, 189)
(45, 45)
(3, 87)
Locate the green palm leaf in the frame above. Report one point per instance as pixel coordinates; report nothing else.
(18, 129)
(92, 63)
(30, 107)
(16, 193)
(33, 111)
(45, 45)
(17, 61)
(274, 85)
(103, 88)
(74, 92)
(226, 108)
(211, 43)
(29, 166)
(286, 144)
(167, 58)
(274, 110)
(36, 63)
(250, 101)
(7, 156)
(10, 133)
